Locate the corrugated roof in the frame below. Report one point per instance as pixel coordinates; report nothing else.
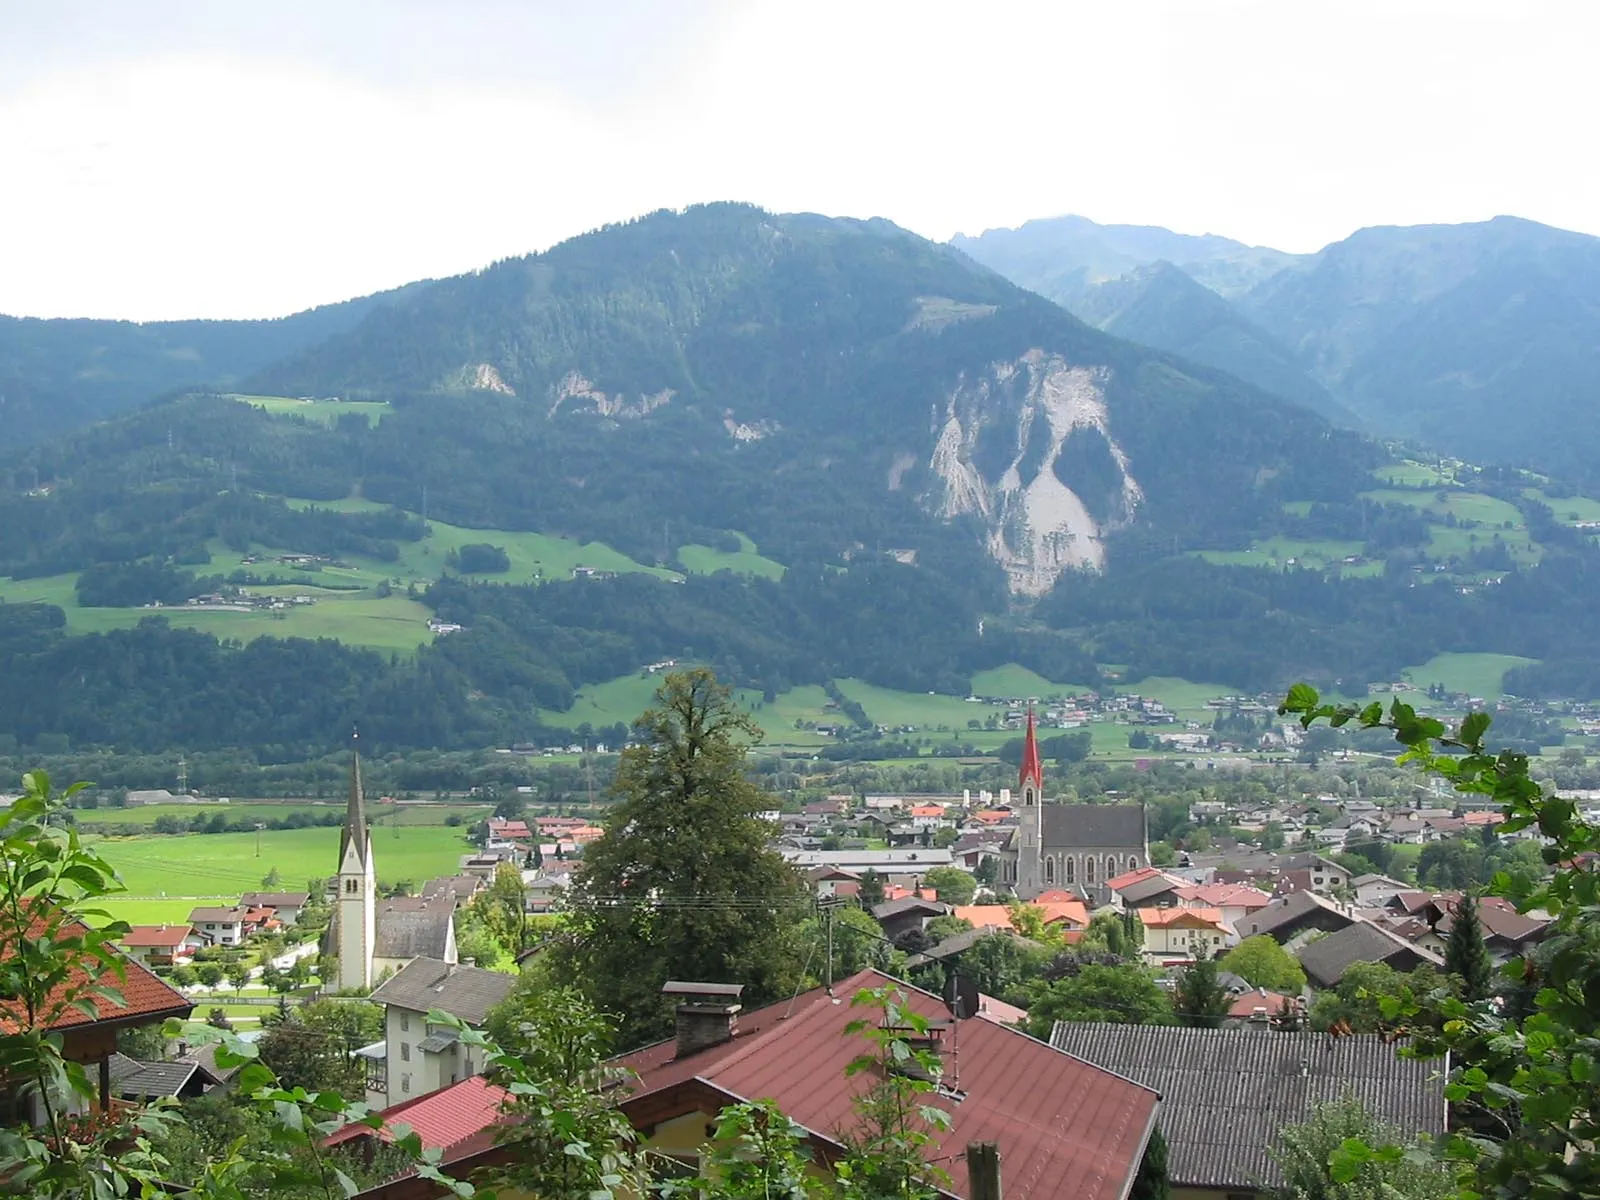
(1092, 826)
(428, 983)
(1065, 1127)
(143, 995)
(1227, 1092)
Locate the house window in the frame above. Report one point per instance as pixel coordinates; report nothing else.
(1066, 873)
(405, 1022)
(405, 1051)
(405, 1081)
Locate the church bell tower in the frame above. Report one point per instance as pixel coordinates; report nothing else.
(1030, 828)
(356, 906)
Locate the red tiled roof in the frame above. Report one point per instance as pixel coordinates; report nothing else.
(1245, 1006)
(1224, 895)
(440, 1119)
(1065, 1128)
(160, 936)
(1192, 917)
(1031, 768)
(998, 916)
(143, 995)
(1117, 882)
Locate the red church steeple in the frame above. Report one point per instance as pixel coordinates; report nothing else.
(1031, 770)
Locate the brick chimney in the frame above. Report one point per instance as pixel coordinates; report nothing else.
(707, 1014)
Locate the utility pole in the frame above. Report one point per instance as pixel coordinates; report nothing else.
(260, 825)
(183, 776)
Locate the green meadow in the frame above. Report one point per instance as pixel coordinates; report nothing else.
(1018, 682)
(323, 412)
(1475, 674)
(1570, 509)
(705, 560)
(1412, 474)
(269, 810)
(225, 864)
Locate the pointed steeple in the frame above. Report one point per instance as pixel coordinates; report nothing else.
(1031, 770)
(355, 811)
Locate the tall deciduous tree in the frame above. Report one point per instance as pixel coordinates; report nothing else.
(684, 883)
(1465, 955)
(1262, 962)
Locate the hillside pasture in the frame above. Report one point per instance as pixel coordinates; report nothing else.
(276, 810)
(1017, 682)
(706, 560)
(1474, 674)
(1413, 474)
(1568, 509)
(323, 412)
(1282, 552)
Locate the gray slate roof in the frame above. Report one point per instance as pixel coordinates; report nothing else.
(1093, 826)
(133, 1079)
(1327, 958)
(1287, 915)
(275, 899)
(893, 908)
(408, 928)
(1147, 889)
(1225, 1093)
(427, 983)
(462, 887)
(957, 943)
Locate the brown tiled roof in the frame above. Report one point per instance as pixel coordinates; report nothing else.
(159, 936)
(1287, 915)
(275, 899)
(217, 915)
(1065, 1128)
(1227, 1092)
(1327, 958)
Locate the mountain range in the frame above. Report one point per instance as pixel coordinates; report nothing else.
(1478, 340)
(911, 468)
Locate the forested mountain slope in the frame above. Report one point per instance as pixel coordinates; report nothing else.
(60, 375)
(913, 470)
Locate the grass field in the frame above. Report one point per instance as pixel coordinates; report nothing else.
(323, 412)
(1017, 682)
(1465, 506)
(267, 810)
(1413, 474)
(621, 699)
(808, 705)
(225, 864)
(1282, 551)
(1475, 674)
(1570, 509)
(705, 560)
(886, 707)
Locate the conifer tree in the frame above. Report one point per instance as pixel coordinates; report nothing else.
(1465, 955)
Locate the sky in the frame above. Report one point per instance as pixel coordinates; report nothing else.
(212, 158)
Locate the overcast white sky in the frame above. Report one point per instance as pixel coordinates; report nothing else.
(175, 158)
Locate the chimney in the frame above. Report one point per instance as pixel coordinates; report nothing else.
(708, 1014)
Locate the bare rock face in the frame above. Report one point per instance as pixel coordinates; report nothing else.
(1027, 448)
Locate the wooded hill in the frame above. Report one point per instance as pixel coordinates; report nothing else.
(717, 379)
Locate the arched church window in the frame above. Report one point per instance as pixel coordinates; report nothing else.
(1111, 867)
(1049, 870)
(1088, 869)
(1133, 862)
(1066, 873)
(350, 885)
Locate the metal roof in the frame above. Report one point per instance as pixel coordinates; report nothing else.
(678, 987)
(1227, 1092)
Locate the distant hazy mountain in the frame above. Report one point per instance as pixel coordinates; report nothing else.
(1480, 339)
(59, 375)
(1065, 258)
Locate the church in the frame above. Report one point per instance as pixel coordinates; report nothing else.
(370, 937)
(1073, 847)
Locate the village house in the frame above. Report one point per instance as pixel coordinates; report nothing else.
(1063, 1127)
(1173, 936)
(89, 1034)
(416, 1056)
(1235, 901)
(906, 914)
(160, 945)
(1327, 958)
(1225, 1093)
(285, 907)
(1294, 919)
(220, 926)
(1144, 887)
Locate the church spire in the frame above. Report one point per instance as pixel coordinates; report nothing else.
(1031, 770)
(355, 812)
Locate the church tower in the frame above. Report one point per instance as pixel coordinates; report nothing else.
(356, 908)
(1030, 828)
